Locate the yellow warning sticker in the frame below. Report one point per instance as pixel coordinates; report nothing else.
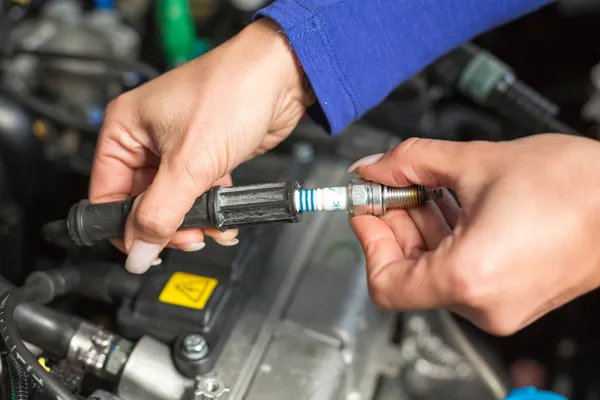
(187, 290)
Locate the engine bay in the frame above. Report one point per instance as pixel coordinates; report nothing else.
(287, 312)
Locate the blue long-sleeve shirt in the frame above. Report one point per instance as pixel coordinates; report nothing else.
(355, 52)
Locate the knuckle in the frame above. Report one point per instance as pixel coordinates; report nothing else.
(191, 169)
(468, 283)
(499, 325)
(151, 226)
(379, 297)
(378, 291)
(117, 103)
(188, 167)
(400, 151)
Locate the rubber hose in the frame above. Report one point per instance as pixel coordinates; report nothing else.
(43, 326)
(19, 380)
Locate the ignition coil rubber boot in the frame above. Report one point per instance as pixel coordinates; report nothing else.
(253, 205)
(221, 207)
(88, 223)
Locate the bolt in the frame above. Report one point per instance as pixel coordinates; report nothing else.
(209, 387)
(194, 347)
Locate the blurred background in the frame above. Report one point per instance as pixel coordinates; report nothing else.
(62, 61)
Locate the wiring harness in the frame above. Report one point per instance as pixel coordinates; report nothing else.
(114, 68)
(41, 287)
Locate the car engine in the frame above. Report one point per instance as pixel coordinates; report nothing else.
(286, 313)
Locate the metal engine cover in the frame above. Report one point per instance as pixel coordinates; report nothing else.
(311, 331)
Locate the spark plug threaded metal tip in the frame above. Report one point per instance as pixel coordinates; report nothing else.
(408, 197)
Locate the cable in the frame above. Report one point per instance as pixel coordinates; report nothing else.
(19, 381)
(123, 65)
(489, 82)
(479, 364)
(43, 326)
(49, 111)
(40, 287)
(19, 351)
(53, 113)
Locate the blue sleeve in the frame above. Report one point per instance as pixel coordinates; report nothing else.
(355, 52)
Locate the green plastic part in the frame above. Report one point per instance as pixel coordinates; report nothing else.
(481, 76)
(178, 31)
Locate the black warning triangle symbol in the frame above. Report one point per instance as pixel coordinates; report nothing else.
(192, 289)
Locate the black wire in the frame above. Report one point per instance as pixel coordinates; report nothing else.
(19, 380)
(126, 66)
(50, 111)
(19, 351)
(100, 76)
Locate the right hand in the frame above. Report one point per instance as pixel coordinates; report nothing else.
(171, 139)
(524, 242)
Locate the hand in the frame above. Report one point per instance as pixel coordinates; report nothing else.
(524, 243)
(173, 138)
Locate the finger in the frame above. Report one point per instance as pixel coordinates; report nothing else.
(188, 240)
(428, 162)
(117, 157)
(224, 181)
(142, 178)
(396, 282)
(378, 241)
(431, 224)
(194, 239)
(227, 238)
(119, 244)
(406, 233)
(449, 208)
(158, 212)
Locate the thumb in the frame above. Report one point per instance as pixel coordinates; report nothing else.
(427, 162)
(156, 215)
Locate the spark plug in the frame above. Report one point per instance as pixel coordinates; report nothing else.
(361, 197)
(239, 207)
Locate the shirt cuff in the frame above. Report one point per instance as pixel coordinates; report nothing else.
(335, 108)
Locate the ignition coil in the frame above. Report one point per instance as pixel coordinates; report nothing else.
(241, 206)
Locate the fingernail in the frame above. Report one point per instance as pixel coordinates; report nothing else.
(156, 262)
(141, 256)
(226, 236)
(372, 159)
(194, 246)
(227, 243)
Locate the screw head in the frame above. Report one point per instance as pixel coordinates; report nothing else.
(209, 387)
(194, 347)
